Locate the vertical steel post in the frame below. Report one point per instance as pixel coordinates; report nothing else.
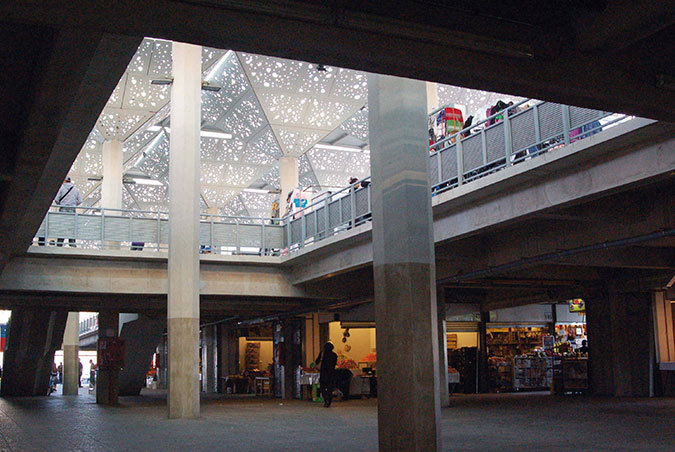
(537, 130)
(460, 160)
(75, 227)
(566, 123)
(440, 169)
(237, 242)
(303, 228)
(211, 235)
(508, 138)
(159, 230)
(289, 236)
(262, 239)
(352, 205)
(483, 144)
(326, 213)
(102, 228)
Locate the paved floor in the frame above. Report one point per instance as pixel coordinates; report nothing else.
(473, 423)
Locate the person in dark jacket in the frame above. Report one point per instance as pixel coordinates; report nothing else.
(328, 361)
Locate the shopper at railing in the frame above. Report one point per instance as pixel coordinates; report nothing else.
(68, 198)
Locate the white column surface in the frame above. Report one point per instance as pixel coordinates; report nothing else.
(184, 186)
(288, 178)
(111, 185)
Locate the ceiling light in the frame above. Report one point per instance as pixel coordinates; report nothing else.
(207, 87)
(256, 190)
(161, 82)
(214, 134)
(140, 181)
(331, 147)
(203, 133)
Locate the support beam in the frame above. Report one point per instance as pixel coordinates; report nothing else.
(107, 378)
(288, 178)
(33, 336)
(403, 264)
(183, 266)
(209, 359)
(71, 360)
(111, 185)
(444, 393)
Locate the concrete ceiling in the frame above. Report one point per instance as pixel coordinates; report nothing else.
(609, 55)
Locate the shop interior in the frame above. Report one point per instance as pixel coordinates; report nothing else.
(529, 348)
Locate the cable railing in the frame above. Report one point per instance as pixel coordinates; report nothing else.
(521, 132)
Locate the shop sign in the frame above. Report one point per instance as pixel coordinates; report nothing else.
(577, 305)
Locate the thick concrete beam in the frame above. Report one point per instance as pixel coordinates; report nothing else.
(463, 47)
(97, 274)
(57, 122)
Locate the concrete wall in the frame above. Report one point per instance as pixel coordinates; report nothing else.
(141, 338)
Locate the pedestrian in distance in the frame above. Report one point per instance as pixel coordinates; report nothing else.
(328, 360)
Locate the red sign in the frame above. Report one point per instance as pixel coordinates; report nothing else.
(111, 352)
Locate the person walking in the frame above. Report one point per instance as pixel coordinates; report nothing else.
(328, 360)
(67, 198)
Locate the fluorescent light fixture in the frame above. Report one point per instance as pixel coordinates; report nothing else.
(142, 181)
(256, 190)
(161, 82)
(331, 147)
(214, 134)
(203, 133)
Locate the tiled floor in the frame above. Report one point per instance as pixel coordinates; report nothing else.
(484, 423)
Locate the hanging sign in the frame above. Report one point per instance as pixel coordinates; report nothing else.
(577, 305)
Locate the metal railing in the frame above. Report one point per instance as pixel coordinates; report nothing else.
(88, 325)
(521, 132)
(138, 230)
(518, 133)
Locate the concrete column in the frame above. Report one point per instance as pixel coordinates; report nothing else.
(620, 342)
(288, 178)
(71, 349)
(310, 337)
(228, 354)
(183, 299)
(444, 393)
(432, 96)
(403, 264)
(209, 359)
(33, 335)
(482, 364)
(107, 378)
(111, 185)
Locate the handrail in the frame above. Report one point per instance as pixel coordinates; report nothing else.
(517, 136)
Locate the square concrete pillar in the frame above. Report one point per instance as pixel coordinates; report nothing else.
(183, 267)
(107, 377)
(71, 360)
(403, 265)
(209, 359)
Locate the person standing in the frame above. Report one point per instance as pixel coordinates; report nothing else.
(68, 198)
(59, 371)
(92, 373)
(79, 378)
(328, 360)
